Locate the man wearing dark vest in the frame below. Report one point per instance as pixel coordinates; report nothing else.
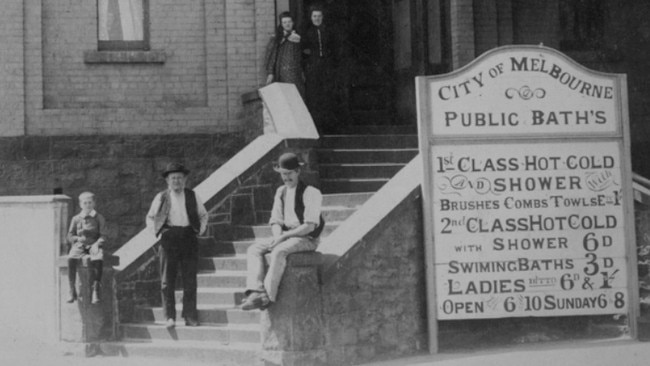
(176, 217)
(296, 223)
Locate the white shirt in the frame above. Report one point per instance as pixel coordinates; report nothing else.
(312, 198)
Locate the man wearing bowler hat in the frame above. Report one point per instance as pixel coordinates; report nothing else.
(296, 223)
(176, 217)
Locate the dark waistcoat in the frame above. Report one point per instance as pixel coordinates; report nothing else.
(299, 208)
(165, 206)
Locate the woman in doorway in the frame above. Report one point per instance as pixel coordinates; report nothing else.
(284, 55)
(319, 48)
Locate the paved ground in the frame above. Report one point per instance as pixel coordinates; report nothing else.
(606, 353)
(601, 353)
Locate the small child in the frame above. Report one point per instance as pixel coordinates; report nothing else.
(85, 238)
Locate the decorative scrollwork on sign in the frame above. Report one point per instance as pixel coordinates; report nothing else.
(525, 93)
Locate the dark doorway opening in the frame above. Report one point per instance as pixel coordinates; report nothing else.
(362, 79)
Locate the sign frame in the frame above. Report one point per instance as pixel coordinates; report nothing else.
(621, 134)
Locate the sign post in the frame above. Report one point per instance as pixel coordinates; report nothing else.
(527, 190)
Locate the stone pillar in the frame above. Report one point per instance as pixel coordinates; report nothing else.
(462, 32)
(486, 28)
(293, 329)
(33, 230)
(85, 325)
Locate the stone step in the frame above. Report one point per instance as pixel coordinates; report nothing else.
(208, 314)
(377, 129)
(224, 248)
(352, 171)
(264, 231)
(352, 185)
(349, 200)
(227, 354)
(231, 263)
(365, 156)
(221, 279)
(213, 334)
(215, 296)
(337, 214)
(368, 141)
(330, 213)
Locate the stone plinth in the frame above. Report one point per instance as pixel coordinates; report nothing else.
(292, 329)
(84, 324)
(32, 229)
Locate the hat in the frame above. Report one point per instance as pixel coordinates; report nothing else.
(175, 168)
(287, 161)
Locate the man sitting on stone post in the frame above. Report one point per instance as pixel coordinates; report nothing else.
(296, 223)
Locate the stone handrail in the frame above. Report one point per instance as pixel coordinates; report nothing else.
(285, 117)
(641, 187)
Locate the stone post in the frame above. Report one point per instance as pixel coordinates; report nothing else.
(85, 325)
(33, 230)
(292, 329)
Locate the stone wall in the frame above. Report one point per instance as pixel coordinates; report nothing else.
(374, 306)
(642, 222)
(123, 171)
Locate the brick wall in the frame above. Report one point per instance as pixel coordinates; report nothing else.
(12, 90)
(208, 53)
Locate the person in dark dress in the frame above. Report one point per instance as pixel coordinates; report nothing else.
(319, 48)
(283, 61)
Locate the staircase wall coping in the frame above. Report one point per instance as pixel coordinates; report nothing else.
(641, 187)
(337, 245)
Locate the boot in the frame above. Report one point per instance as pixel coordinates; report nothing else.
(95, 295)
(73, 294)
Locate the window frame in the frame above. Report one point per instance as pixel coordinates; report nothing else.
(142, 45)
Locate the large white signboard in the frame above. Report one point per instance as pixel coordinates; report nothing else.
(527, 189)
(534, 230)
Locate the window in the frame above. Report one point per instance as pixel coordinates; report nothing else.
(582, 23)
(123, 25)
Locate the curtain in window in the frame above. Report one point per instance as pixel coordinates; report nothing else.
(120, 20)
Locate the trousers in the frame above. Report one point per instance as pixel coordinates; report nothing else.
(179, 250)
(258, 279)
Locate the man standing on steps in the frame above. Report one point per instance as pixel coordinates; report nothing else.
(296, 223)
(176, 217)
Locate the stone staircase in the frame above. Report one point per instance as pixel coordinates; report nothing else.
(363, 163)
(352, 168)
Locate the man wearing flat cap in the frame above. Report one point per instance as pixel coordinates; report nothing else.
(296, 223)
(176, 217)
